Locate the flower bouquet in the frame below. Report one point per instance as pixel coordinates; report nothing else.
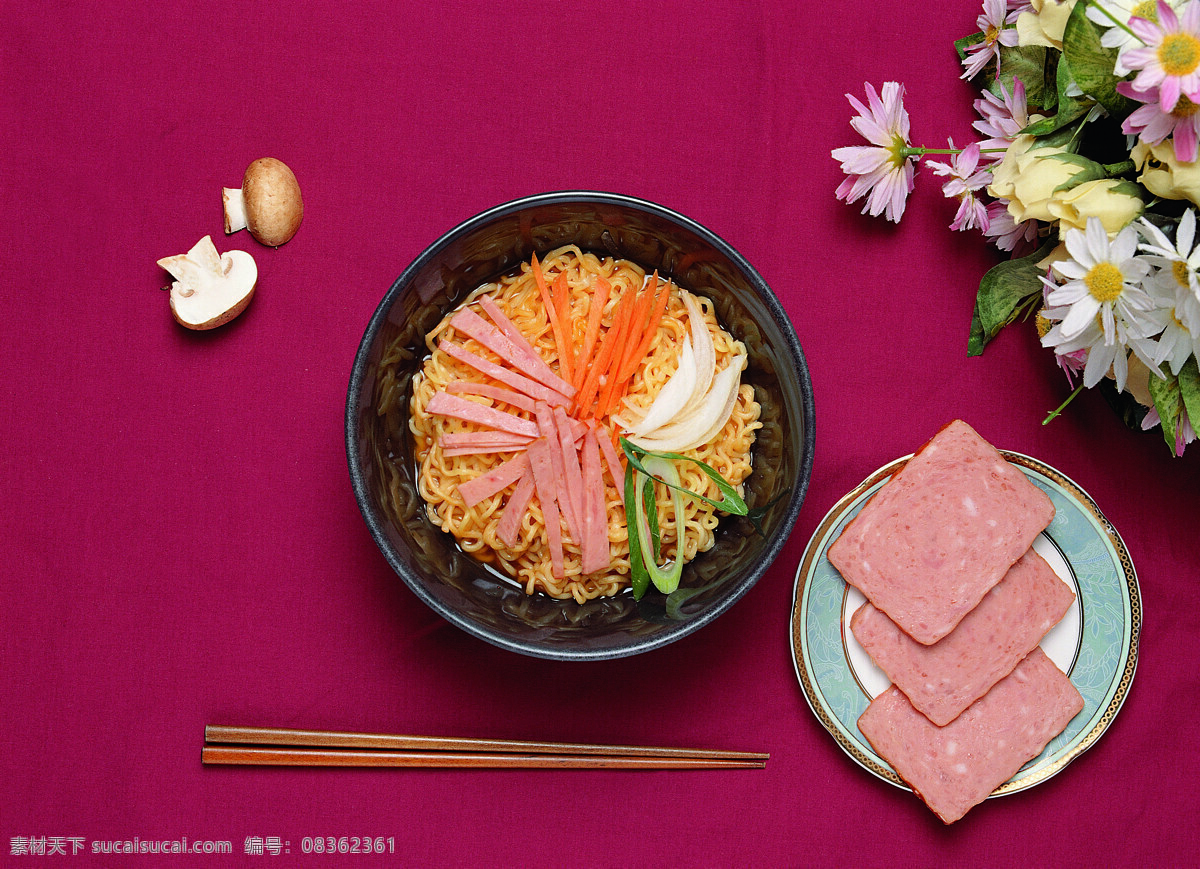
(1086, 172)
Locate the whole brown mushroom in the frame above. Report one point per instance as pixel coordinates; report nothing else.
(267, 204)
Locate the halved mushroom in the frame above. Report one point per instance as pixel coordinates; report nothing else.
(210, 289)
(268, 203)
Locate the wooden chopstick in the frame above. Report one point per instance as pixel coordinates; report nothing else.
(252, 755)
(268, 746)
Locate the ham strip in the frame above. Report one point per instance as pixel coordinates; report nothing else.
(549, 431)
(953, 768)
(944, 679)
(519, 382)
(489, 483)
(941, 532)
(509, 527)
(578, 427)
(535, 366)
(595, 552)
(474, 326)
(482, 441)
(445, 404)
(615, 469)
(543, 478)
(488, 390)
(572, 474)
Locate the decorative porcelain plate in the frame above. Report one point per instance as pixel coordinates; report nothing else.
(1095, 644)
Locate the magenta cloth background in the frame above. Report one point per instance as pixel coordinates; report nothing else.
(180, 542)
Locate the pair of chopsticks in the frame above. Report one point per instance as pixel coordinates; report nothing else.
(271, 746)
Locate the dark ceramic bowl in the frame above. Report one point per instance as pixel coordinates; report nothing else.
(380, 450)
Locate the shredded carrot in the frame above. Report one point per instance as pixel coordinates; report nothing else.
(607, 395)
(561, 334)
(605, 400)
(638, 341)
(641, 314)
(600, 366)
(600, 291)
(651, 329)
(561, 296)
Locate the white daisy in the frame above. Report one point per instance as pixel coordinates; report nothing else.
(1177, 343)
(1103, 357)
(1103, 279)
(1178, 265)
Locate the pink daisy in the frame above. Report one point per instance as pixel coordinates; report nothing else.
(1001, 119)
(965, 179)
(1170, 56)
(1184, 433)
(883, 171)
(1152, 125)
(1006, 233)
(992, 24)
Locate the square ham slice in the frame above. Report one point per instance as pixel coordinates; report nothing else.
(956, 767)
(945, 678)
(941, 532)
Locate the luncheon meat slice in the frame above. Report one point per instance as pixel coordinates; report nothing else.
(941, 532)
(955, 767)
(945, 678)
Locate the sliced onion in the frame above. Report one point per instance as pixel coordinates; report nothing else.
(701, 426)
(702, 344)
(687, 388)
(675, 394)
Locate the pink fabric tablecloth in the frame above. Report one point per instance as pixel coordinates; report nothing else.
(180, 542)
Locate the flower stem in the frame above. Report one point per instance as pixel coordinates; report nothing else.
(1116, 21)
(1114, 169)
(918, 151)
(1078, 389)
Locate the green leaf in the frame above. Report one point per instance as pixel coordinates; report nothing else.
(1070, 108)
(1005, 292)
(1189, 391)
(1091, 64)
(1069, 112)
(1036, 68)
(1087, 170)
(1169, 403)
(961, 45)
(1066, 137)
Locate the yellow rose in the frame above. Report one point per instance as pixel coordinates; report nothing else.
(1027, 178)
(1045, 24)
(1114, 202)
(1004, 173)
(1163, 176)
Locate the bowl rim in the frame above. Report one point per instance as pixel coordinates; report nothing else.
(765, 295)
